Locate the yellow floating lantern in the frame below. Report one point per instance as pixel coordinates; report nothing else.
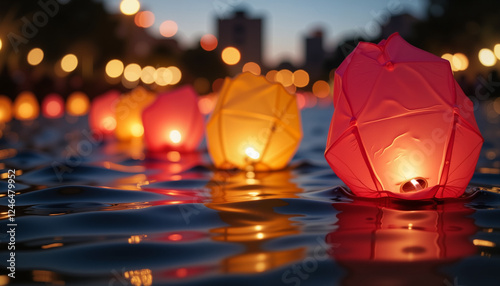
(255, 125)
(26, 106)
(128, 113)
(5, 109)
(77, 104)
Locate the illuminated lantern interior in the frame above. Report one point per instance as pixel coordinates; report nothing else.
(174, 121)
(26, 106)
(255, 124)
(102, 112)
(53, 106)
(5, 109)
(401, 127)
(128, 113)
(77, 104)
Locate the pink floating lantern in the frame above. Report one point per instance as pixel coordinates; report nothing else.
(53, 106)
(173, 121)
(102, 112)
(402, 127)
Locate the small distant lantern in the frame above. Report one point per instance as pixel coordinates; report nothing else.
(53, 106)
(77, 104)
(5, 109)
(173, 121)
(128, 113)
(255, 125)
(26, 106)
(102, 112)
(402, 127)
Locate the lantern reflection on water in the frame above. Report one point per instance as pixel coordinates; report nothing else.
(402, 127)
(173, 121)
(392, 240)
(26, 106)
(250, 223)
(102, 112)
(128, 113)
(255, 124)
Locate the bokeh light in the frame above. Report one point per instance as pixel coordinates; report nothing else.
(176, 75)
(168, 28)
(496, 50)
(285, 77)
(1, 44)
(163, 76)
(208, 42)
(148, 74)
(251, 67)
(129, 7)
(114, 68)
(460, 61)
(217, 84)
(144, 19)
(300, 78)
(132, 72)
(487, 57)
(271, 75)
(53, 106)
(77, 104)
(5, 109)
(26, 106)
(496, 105)
(69, 63)
(231, 55)
(35, 56)
(321, 89)
(206, 104)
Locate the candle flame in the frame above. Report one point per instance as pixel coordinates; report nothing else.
(416, 184)
(137, 130)
(175, 136)
(252, 153)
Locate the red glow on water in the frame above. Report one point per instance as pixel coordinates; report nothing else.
(175, 237)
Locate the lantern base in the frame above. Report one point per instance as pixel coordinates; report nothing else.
(413, 185)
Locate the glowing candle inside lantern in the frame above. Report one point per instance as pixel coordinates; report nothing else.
(128, 113)
(102, 112)
(415, 184)
(26, 106)
(175, 136)
(136, 130)
(53, 106)
(252, 153)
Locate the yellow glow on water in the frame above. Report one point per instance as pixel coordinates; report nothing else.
(487, 57)
(35, 56)
(129, 7)
(231, 55)
(69, 63)
(485, 243)
(114, 68)
(175, 136)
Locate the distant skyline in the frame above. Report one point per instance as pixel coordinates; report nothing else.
(286, 22)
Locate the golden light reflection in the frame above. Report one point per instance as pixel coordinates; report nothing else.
(142, 277)
(52, 245)
(135, 239)
(168, 29)
(5, 109)
(231, 56)
(231, 196)
(114, 68)
(208, 42)
(129, 7)
(26, 106)
(485, 243)
(77, 104)
(69, 63)
(47, 277)
(35, 56)
(487, 57)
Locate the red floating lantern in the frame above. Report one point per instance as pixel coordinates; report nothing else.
(402, 127)
(53, 106)
(102, 117)
(173, 121)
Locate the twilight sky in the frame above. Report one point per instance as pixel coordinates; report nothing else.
(286, 22)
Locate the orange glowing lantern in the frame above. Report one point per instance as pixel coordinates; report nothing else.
(128, 113)
(402, 127)
(53, 106)
(26, 106)
(77, 104)
(255, 124)
(174, 121)
(5, 109)
(102, 113)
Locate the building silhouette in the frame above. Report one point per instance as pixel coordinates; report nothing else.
(314, 53)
